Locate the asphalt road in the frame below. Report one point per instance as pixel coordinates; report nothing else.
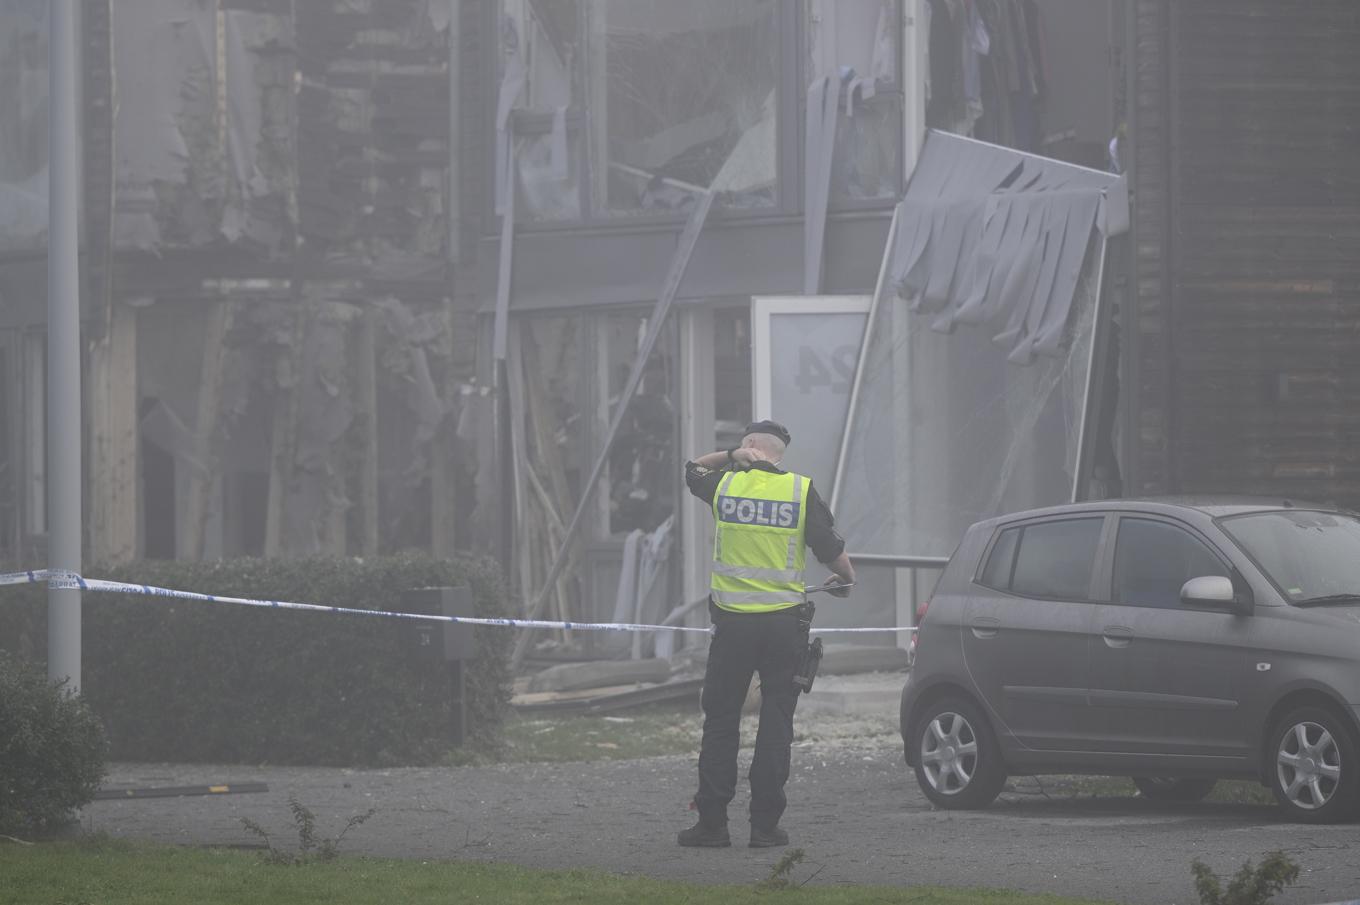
(853, 809)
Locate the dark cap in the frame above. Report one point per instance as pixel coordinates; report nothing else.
(773, 428)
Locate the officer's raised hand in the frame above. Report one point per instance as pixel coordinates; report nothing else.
(743, 457)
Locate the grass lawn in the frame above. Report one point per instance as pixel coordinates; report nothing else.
(103, 872)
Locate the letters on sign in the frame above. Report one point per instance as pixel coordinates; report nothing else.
(745, 511)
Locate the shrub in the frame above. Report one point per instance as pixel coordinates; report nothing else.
(190, 681)
(1250, 886)
(51, 749)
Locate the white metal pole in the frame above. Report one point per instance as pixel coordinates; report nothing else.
(1081, 474)
(863, 361)
(63, 347)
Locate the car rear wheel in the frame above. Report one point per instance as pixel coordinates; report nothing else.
(1167, 789)
(1314, 771)
(958, 764)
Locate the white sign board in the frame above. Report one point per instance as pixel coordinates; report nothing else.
(804, 353)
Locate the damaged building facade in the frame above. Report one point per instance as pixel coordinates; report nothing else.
(273, 362)
(388, 274)
(611, 129)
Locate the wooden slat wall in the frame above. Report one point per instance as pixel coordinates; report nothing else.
(1149, 375)
(1261, 128)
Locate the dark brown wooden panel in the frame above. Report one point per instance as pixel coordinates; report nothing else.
(1260, 294)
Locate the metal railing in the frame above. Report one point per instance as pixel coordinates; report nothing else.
(916, 564)
(900, 562)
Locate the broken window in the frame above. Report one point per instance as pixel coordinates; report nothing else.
(540, 45)
(732, 403)
(543, 38)
(574, 370)
(568, 374)
(642, 465)
(548, 167)
(681, 95)
(867, 160)
(854, 42)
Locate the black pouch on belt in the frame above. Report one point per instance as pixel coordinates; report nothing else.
(806, 673)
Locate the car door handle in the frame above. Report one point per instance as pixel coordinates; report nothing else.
(984, 626)
(1117, 636)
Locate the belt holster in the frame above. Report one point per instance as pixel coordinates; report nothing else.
(811, 657)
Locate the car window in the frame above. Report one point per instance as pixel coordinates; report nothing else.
(1306, 554)
(1153, 560)
(1056, 559)
(997, 572)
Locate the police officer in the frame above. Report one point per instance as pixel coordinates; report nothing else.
(764, 518)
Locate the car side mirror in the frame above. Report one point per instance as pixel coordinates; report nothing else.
(1216, 592)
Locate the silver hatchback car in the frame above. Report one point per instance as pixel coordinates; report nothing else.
(1176, 641)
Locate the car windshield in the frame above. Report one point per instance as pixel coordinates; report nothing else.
(1309, 555)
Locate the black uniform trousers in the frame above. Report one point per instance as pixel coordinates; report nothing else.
(743, 644)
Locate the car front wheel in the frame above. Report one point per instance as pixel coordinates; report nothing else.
(1314, 770)
(958, 763)
(1182, 789)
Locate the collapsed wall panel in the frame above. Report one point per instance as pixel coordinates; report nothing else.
(974, 379)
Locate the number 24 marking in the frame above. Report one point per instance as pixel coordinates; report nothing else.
(815, 371)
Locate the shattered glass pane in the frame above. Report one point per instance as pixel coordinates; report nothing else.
(23, 124)
(683, 95)
(545, 35)
(854, 39)
(540, 41)
(549, 170)
(855, 43)
(948, 431)
(867, 159)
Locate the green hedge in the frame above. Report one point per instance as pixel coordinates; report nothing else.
(188, 681)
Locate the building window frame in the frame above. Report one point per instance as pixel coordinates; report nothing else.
(790, 99)
(893, 93)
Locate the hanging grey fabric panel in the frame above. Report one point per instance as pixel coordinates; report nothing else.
(991, 236)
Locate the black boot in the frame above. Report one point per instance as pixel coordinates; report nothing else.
(771, 838)
(702, 836)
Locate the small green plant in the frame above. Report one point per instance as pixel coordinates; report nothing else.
(51, 750)
(779, 874)
(1251, 885)
(311, 847)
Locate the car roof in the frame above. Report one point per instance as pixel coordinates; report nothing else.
(1210, 506)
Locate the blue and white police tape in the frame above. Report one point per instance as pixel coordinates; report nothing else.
(59, 578)
(35, 576)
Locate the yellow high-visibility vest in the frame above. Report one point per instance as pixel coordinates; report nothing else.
(758, 547)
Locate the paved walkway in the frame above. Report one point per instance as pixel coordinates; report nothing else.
(853, 808)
